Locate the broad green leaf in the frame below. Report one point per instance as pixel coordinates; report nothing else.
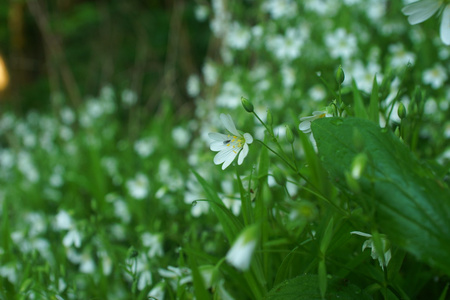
(306, 287)
(359, 109)
(407, 202)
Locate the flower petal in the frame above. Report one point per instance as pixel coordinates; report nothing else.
(229, 159)
(243, 154)
(217, 146)
(222, 155)
(445, 26)
(305, 126)
(229, 124)
(217, 136)
(248, 138)
(420, 11)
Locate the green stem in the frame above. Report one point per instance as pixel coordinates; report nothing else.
(281, 157)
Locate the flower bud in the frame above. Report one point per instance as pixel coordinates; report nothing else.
(401, 112)
(340, 75)
(248, 106)
(289, 135)
(358, 165)
(279, 177)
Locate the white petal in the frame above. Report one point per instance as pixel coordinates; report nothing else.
(420, 11)
(229, 124)
(445, 25)
(218, 136)
(361, 234)
(217, 146)
(305, 126)
(248, 138)
(229, 160)
(222, 155)
(243, 154)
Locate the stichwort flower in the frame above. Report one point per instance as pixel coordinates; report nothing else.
(229, 145)
(421, 11)
(305, 122)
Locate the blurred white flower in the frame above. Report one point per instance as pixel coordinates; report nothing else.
(305, 122)
(230, 95)
(421, 11)
(229, 145)
(63, 220)
(145, 146)
(129, 98)
(375, 255)
(280, 8)
(341, 44)
(317, 92)
(435, 76)
(154, 243)
(177, 276)
(288, 75)
(72, 238)
(157, 292)
(288, 46)
(181, 136)
(400, 57)
(193, 86)
(201, 12)
(67, 115)
(209, 73)
(138, 187)
(237, 36)
(241, 253)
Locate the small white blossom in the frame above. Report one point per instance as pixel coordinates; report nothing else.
(138, 187)
(305, 122)
(241, 253)
(193, 86)
(435, 76)
(341, 44)
(375, 255)
(229, 145)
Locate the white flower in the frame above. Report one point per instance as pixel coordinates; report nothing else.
(375, 255)
(305, 124)
(229, 145)
(193, 86)
(421, 11)
(341, 44)
(435, 76)
(138, 187)
(241, 253)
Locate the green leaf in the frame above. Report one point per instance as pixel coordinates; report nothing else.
(359, 109)
(231, 225)
(306, 287)
(405, 199)
(373, 106)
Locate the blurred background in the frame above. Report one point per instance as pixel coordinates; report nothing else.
(70, 49)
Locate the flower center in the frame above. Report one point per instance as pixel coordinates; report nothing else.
(235, 142)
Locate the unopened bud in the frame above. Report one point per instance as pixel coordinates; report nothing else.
(289, 135)
(358, 165)
(248, 106)
(279, 177)
(340, 75)
(401, 112)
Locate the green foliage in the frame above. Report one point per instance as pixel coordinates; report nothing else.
(400, 194)
(307, 287)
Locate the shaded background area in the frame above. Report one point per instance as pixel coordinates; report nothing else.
(75, 47)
